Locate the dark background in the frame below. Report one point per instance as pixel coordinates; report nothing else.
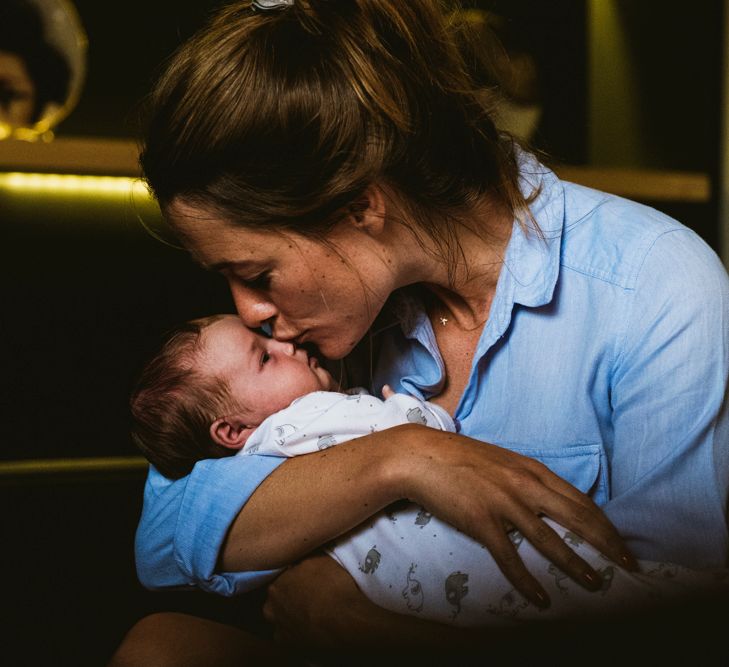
(87, 294)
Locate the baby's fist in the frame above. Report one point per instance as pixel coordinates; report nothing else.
(387, 392)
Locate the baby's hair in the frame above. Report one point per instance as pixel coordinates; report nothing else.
(173, 404)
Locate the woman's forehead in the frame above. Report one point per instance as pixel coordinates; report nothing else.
(190, 220)
(217, 243)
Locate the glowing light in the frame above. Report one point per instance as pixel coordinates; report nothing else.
(74, 184)
(38, 467)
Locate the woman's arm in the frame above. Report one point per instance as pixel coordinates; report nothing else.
(479, 488)
(316, 606)
(670, 400)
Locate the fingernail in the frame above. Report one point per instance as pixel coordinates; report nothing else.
(628, 562)
(542, 600)
(591, 579)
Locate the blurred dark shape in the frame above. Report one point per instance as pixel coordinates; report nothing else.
(504, 66)
(27, 58)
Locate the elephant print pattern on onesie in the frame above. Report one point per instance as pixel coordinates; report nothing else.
(408, 561)
(372, 561)
(413, 591)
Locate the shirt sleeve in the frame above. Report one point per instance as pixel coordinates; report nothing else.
(185, 521)
(670, 458)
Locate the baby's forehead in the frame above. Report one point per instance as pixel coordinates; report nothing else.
(226, 338)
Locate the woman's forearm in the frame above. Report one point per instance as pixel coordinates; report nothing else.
(372, 628)
(316, 604)
(311, 499)
(480, 489)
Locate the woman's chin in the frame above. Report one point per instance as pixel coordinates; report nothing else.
(334, 350)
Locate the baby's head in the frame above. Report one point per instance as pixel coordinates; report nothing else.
(211, 386)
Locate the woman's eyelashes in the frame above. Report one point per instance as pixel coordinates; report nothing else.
(260, 281)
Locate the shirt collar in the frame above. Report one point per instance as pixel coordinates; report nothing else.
(532, 257)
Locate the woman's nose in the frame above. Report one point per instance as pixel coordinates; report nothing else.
(253, 308)
(286, 347)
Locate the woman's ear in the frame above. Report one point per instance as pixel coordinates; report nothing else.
(230, 432)
(368, 212)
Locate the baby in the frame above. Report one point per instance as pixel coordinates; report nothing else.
(218, 389)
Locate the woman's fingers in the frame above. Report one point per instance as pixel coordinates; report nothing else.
(548, 542)
(578, 513)
(545, 493)
(550, 495)
(510, 563)
(507, 489)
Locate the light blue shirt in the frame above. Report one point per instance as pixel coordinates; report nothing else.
(605, 356)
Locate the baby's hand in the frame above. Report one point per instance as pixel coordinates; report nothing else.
(387, 392)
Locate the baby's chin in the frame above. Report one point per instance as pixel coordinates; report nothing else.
(332, 384)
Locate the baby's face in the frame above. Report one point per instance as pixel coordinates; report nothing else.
(263, 374)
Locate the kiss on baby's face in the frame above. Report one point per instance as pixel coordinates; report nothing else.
(263, 374)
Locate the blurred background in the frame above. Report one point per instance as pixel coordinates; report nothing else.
(625, 96)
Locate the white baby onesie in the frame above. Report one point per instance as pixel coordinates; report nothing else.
(408, 561)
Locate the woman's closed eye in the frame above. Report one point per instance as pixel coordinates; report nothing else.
(265, 358)
(260, 281)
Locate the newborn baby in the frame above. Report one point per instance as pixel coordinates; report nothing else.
(218, 388)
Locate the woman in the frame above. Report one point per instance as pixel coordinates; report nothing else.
(334, 161)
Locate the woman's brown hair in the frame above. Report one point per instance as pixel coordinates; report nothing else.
(283, 118)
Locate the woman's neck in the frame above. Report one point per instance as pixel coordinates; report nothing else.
(463, 290)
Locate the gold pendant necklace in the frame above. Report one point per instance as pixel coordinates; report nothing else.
(444, 320)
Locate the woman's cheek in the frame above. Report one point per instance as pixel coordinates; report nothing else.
(336, 348)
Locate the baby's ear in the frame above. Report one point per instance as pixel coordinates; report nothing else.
(230, 432)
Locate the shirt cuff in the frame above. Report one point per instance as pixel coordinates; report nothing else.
(216, 491)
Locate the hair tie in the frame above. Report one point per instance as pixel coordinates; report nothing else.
(268, 5)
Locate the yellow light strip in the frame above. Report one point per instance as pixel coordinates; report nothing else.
(66, 466)
(74, 184)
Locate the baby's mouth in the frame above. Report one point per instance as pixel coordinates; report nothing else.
(311, 350)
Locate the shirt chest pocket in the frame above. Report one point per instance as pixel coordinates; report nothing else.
(584, 466)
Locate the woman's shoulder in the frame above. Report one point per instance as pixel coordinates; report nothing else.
(612, 239)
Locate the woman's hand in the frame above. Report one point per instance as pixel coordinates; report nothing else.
(315, 606)
(484, 491)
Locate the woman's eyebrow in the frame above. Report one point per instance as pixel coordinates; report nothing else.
(230, 264)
